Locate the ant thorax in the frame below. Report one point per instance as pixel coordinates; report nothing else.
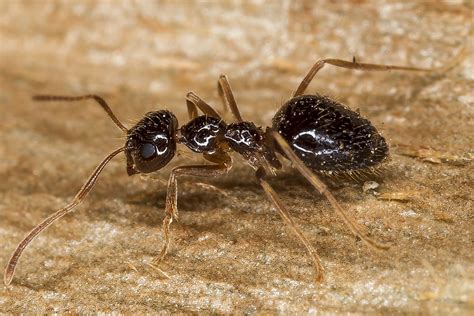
(203, 134)
(206, 134)
(247, 139)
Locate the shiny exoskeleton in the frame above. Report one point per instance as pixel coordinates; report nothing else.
(328, 136)
(151, 142)
(312, 131)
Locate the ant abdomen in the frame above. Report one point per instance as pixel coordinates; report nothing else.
(328, 136)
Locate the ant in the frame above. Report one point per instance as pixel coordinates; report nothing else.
(315, 133)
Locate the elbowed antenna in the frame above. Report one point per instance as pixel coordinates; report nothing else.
(80, 196)
(98, 99)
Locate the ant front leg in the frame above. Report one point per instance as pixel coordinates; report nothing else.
(349, 65)
(171, 209)
(194, 102)
(227, 96)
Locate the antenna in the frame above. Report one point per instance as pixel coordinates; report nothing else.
(98, 99)
(80, 196)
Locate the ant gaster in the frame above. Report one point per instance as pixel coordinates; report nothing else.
(315, 133)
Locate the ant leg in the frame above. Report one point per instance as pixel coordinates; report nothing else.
(98, 99)
(321, 187)
(285, 215)
(227, 96)
(349, 65)
(193, 102)
(192, 110)
(172, 192)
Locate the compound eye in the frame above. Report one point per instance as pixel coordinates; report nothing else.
(148, 151)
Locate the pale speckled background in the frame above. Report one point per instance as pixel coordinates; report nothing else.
(233, 254)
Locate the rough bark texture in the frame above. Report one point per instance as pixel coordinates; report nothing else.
(230, 250)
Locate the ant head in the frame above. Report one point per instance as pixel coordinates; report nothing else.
(151, 143)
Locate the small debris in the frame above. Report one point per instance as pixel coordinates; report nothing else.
(409, 213)
(322, 230)
(370, 186)
(131, 266)
(443, 217)
(398, 196)
(152, 176)
(210, 187)
(184, 153)
(427, 296)
(431, 155)
(282, 65)
(161, 272)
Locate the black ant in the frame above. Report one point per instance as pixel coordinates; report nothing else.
(315, 133)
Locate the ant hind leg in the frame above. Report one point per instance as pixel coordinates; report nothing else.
(285, 215)
(349, 65)
(321, 187)
(227, 96)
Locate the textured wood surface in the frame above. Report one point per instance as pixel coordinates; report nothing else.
(231, 252)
